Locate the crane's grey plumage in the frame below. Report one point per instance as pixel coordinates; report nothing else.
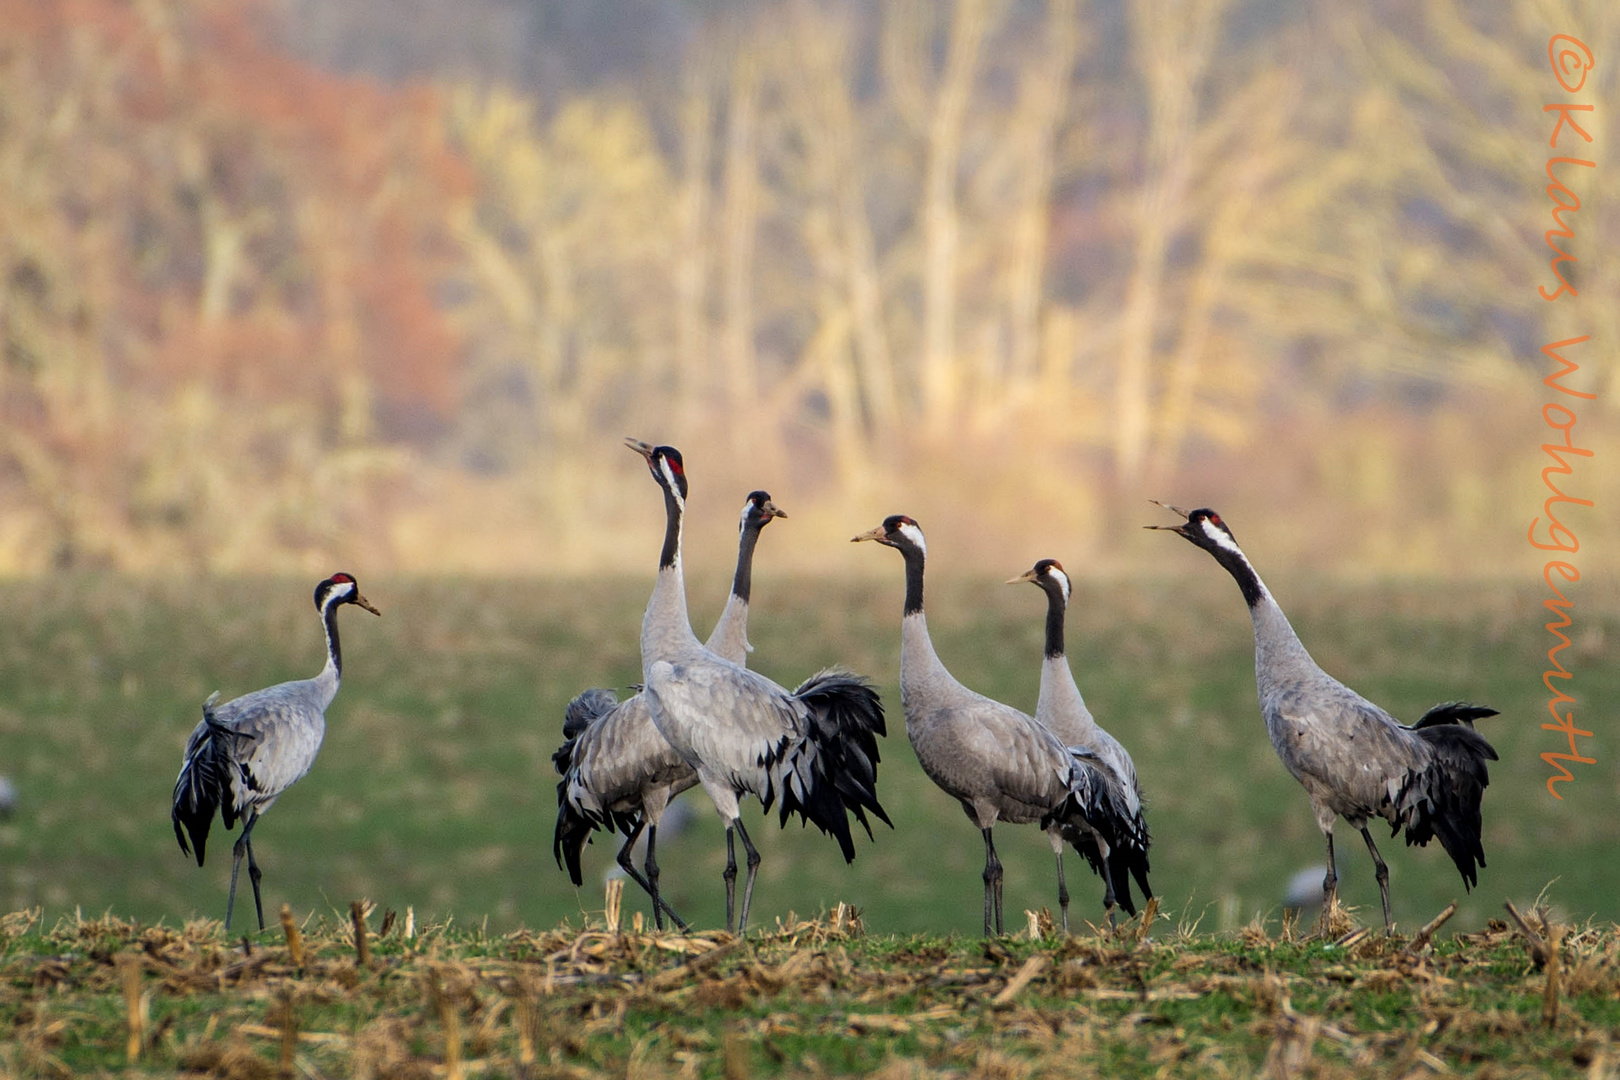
(1062, 710)
(998, 762)
(1355, 760)
(249, 750)
(618, 772)
(815, 748)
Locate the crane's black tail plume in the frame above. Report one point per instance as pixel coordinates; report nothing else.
(204, 785)
(589, 706)
(574, 823)
(1442, 799)
(1096, 802)
(1454, 712)
(834, 772)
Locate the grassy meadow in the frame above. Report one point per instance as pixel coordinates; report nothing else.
(435, 790)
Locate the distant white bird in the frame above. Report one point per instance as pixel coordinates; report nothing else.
(247, 751)
(618, 772)
(1304, 894)
(815, 748)
(1355, 760)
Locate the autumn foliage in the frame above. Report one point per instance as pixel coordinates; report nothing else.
(257, 315)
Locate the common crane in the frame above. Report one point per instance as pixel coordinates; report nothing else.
(618, 772)
(995, 760)
(1355, 760)
(814, 748)
(249, 750)
(1062, 710)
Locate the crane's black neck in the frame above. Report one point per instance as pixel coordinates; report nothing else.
(914, 579)
(334, 649)
(1238, 566)
(1055, 605)
(672, 531)
(743, 582)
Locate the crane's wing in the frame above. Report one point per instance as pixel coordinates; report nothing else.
(606, 768)
(277, 732)
(755, 718)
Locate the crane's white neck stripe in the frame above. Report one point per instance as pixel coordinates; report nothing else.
(669, 477)
(1221, 539)
(1062, 580)
(914, 534)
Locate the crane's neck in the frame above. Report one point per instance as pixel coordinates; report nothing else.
(1061, 708)
(914, 580)
(920, 667)
(674, 514)
(328, 679)
(730, 636)
(1055, 607)
(1278, 652)
(742, 582)
(666, 625)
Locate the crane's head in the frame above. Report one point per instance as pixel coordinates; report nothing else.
(665, 463)
(341, 588)
(758, 511)
(1049, 575)
(899, 532)
(1203, 527)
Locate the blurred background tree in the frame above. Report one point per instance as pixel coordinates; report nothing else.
(292, 282)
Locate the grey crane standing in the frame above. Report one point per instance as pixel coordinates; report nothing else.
(249, 750)
(618, 772)
(1062, 710)
(996, 761)
(814, 748)
(1355, 760)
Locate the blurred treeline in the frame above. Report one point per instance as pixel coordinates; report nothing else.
(1016, 264)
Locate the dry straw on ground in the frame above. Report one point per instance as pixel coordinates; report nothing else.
(810, 998)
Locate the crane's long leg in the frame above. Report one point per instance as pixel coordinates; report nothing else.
(1063, 893)
(1110, 900)
(1382, 873)
(1055, 835)
(253, 869)
(237, 852)
(730, 876)
(651, 864)
(1330, 882)
(992, 884)
(629, 868)
(748, 886)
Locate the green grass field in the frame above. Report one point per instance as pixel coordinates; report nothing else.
(435, 790)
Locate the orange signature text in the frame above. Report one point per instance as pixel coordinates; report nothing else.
(1571, 60)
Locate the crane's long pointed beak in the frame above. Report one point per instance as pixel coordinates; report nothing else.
(363, 602)
(1027, 575)
(871, 534)
(770, 511)
(645, 449)
(1179, 530)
